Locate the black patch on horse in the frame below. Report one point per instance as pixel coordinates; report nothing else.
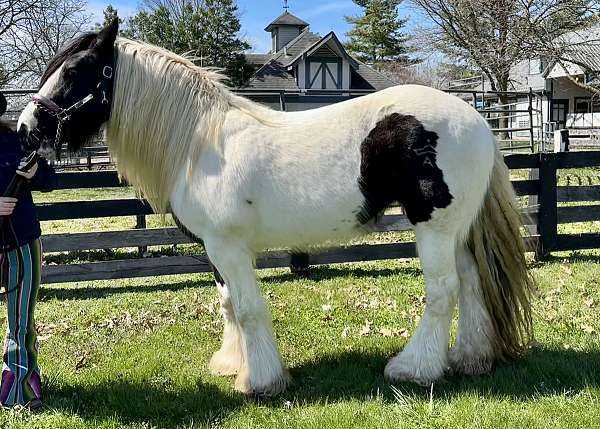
(189, 234)
(398, 164)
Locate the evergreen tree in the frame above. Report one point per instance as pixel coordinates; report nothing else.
(207, 31)
(109, 13)
(377, 36)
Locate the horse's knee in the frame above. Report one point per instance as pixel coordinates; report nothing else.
(442, 293)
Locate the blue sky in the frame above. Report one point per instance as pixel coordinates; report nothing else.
(322, 15)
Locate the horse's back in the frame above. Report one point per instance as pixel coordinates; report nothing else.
(320, 174)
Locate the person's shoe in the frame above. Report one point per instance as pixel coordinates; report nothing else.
(34, 405)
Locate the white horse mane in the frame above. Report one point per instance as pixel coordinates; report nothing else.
(164, 110)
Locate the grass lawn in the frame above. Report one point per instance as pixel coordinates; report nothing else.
(133, 354)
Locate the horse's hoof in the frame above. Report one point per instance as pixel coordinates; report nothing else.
(400, 369)
(463, 363)
(223, 363)
(262, 389)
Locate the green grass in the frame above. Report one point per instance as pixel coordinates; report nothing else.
(133, 353)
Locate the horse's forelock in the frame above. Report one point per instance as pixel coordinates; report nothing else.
(75, 45)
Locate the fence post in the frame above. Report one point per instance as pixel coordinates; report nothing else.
(299, 263)
(282, 105)
(530, 110)
(547, 218)
(140, 223)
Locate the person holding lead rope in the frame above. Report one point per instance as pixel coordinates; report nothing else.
(20, 265)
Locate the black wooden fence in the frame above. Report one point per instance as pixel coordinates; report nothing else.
(543, 214)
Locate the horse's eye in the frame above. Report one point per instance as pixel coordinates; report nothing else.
(69, 72)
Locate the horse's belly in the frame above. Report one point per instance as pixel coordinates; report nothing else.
(298, 225)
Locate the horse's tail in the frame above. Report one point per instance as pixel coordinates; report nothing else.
(496, 242)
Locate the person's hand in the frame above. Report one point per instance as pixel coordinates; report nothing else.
(29, 174)
(7, 205)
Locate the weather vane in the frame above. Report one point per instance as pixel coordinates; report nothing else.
(285, 5)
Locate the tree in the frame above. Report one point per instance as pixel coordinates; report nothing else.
(205, 30)
(109, 13)
(376, 36)
(12, 13)
(33, 39)
(493, 36)
(571, 50)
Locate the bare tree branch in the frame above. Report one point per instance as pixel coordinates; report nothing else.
(30, 38)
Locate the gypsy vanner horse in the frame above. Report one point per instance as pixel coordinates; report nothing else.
(242, 178)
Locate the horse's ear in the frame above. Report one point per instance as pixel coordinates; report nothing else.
(3, 104)
(107, 36)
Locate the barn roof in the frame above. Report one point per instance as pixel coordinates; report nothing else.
(286, 18)
(581, 48)
(274, 72)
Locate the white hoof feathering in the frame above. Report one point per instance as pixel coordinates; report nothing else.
(226, 362)
(263, 388)
(466, 362)
(406, 368)
(229, 358)
(473, 353)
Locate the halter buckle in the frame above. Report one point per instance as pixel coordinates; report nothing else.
(107, 72)
(63, 116)
(81, 102)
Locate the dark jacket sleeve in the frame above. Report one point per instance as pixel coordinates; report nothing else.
(45, 177)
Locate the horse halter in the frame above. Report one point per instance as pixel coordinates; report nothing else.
(63, 115)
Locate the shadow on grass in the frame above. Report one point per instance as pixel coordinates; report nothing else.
(542, 372)
(131, 402)
(315, 274)
(326, 272)
(574, 256)
(47, 293)
(347, 376)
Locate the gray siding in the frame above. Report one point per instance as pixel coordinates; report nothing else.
(286, 35)
(527, 74)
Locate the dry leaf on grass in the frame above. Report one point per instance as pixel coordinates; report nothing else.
(567, 269)
(81, 360)
(365, 329)
(589, 330)
(388, 332)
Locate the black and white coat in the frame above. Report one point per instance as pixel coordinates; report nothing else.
(246, 178)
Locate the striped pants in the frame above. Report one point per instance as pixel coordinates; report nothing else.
(20, 383)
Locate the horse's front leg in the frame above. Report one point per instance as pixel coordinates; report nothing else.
(228, 359)
(261, 371)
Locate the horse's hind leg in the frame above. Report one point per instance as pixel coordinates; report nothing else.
(228, 359)
(424, 359)
(473, 353)
(261, 371)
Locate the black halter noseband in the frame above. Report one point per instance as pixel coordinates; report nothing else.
(63, 115)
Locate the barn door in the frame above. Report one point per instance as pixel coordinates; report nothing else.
(324, 74)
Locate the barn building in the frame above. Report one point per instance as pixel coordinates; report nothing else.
(310, 70)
